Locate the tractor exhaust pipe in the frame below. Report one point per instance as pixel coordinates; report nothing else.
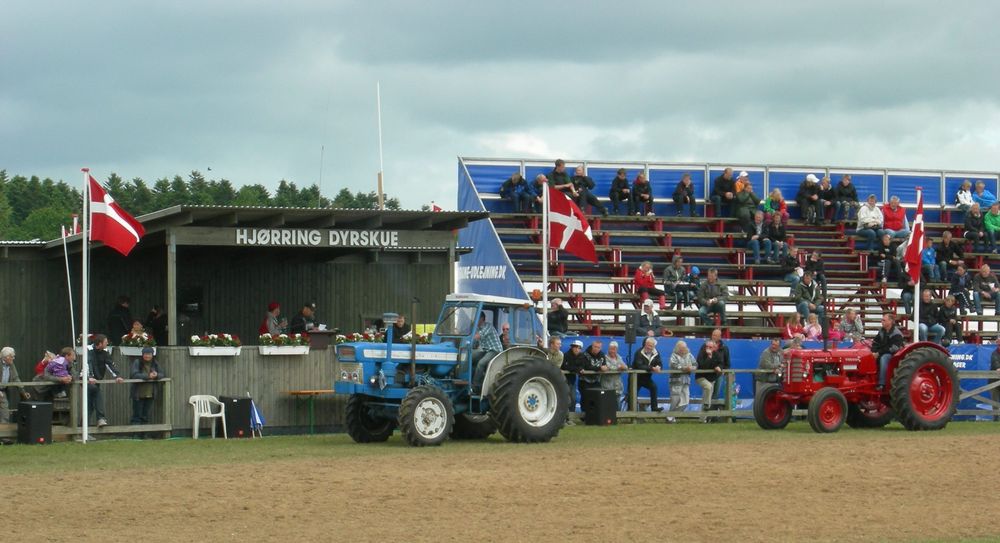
(413, 340)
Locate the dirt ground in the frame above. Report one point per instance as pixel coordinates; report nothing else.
(911, 488)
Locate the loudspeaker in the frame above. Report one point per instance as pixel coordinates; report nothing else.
(600, 407)
(34, 423)
(237, 416)
(630, 332)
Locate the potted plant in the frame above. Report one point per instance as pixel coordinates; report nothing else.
(215, 345)
(133, 343)
(284, 344)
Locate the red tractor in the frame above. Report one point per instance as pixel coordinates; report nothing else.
(841, 385)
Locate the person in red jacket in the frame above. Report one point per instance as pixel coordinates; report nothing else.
(894, 222)
(645, 284)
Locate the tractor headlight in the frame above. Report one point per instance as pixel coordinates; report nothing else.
(352, 373)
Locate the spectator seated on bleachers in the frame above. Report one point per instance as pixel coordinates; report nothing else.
(793, 329)
(712, 296)
(520, 193)
(870, 222)
(882, 259)
(929, 261)
(808, 297)
(814, 264)
(961, 287)
(845, 198)
(647, 322)
(538, 187)
(559, 179)
(948, 319)
(775, 204)
(982, 196)
(684, 197)
(963, 198)
(676, 283)
(825, 200)
(644, 284)
(642, 195)
(813, 329)
(621, 194)
(723, 191)
(975, 231)
(746, 204)
(986, 288)
(949, 255)
(907, 290)
(790, 268)
(851, 327)
(808, 199)
(756, 237)
(776, 234)
(992, 224)
(558, 318)
(894, 220)
(928, 327)
(583, 185)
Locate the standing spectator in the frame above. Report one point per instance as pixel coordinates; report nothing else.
(870, 222)
(813, 329)
(949, 255)
(992, 223)
(684, 196)
(985, 287)
(793, 331)
(745, 204)
(538, 188)
(894, 220)
(648, 360)
(961, 284)
(644, 284)
(928, 326)
(929, 261)
(518, 191)
(963, 198)
(558, 318)
(791, 269)
(148, 370)
(612, 368)
(120, 319)
(573, 364)
(723, 351)
(845, 198)
(99, 368)
(808, 297)
(8, 374)
(756, 237)
(814, 264)
(776, 233)
(554, 353)
(559, 179)
(621, 194)
(642, 195)
(887, 342)
(647, 323)
(770, 362)
(583, 185)
(156, 323)
(675, 282)
(982, 196)
(710, 366)
(712, 297)
(593, 361)
(303, 322)
(852, 327)
(882, 259)
(975, 231)
(948, 318)
(775, 204)
(680, 383)
(271, 324)
(723, 191)
(826, 199)
(808, 200)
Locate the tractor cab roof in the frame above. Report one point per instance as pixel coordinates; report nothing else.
(486, 299)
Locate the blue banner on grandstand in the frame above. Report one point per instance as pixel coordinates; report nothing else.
(487, 269)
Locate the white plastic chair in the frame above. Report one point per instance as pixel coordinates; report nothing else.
(202, 405)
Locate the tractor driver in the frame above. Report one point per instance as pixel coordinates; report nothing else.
(887, 342)
(485, 345)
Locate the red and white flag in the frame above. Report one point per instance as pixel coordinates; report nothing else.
(568, 227)
(916, 244)
(109, 223)
(435, 207)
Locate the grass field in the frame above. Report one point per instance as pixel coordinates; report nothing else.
(709, 482)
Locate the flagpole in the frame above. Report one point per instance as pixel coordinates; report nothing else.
(85, 301)
(917, 295)
(545, 266)
(69, 290)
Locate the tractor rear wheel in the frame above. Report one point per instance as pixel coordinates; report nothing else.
(426, 416)
(469, 426)
(528, 402)
(362, 426)
(769, 410)
(827, 410)
(924, 391)
(869, 414)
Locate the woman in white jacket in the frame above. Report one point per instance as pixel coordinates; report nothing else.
(680, 383)
(963, 198)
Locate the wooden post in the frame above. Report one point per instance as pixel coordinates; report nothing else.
(730, 380)
(167, 403)
(172, 337)
(633, 390)
(381, 195)
(74, 406)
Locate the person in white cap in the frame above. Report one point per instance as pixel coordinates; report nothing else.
(573, 363)
(808, 199)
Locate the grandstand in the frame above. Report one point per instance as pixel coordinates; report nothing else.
(600, 296)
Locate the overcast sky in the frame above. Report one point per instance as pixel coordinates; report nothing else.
(253, 89)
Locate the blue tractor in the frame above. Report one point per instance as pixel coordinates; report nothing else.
(456, 387)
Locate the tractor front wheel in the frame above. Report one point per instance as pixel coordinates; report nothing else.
(469, 426)
(426, 416)
(362, 426)
(528, 402)
(769, 410)
(827, 410)
(869, 414)
(925, 390)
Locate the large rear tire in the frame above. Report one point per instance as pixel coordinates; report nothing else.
(769, 410)
(874, 414)
(925, 391)
(528, 401)
(469, 426)
(362, 426)
(426, 416)
(827, 410)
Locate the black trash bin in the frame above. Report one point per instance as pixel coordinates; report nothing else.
(237, 416)
(600, 407)
(34, 423)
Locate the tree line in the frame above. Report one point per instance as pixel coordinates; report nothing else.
(33, 208)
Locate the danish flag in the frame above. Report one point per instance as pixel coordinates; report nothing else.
(568, 227)
(109, 223)
(916, 245)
